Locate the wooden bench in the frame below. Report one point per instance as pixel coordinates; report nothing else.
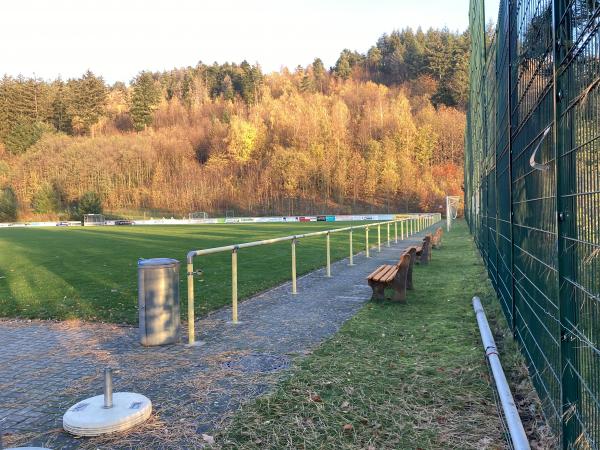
(436, 239)
(394, 276)
(424, 250)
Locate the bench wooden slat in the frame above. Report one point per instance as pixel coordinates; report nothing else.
(383, 275)
(376, 272)
(389, 276)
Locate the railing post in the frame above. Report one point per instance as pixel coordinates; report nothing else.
(367, 242)
(351, 251)
(328, 255)
(234, 290)
(190, 308)
(294, 290)
(402, 230)
(378, 237)
(396, 231)
(388, 234)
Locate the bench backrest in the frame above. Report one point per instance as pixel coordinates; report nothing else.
(426, 249)
(404, 262)
(412, 252)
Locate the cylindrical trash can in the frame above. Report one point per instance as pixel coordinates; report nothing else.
(158, 301)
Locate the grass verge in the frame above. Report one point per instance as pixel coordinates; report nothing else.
(396, 376)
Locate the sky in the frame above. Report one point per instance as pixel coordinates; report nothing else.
(117, 39)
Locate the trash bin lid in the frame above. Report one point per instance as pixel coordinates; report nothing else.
(157, 262)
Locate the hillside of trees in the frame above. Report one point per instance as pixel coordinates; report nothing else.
(381, 130)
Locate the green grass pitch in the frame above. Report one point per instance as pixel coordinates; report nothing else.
(91, 273)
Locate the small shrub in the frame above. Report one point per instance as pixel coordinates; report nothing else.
(8, 205)
(89, 203)
(46, 200)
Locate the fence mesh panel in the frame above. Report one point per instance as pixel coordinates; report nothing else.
(532, 194)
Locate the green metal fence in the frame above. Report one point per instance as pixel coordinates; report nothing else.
(532, 194)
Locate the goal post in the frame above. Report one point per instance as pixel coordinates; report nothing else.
(198, 215)
(93, 220)
(452, 203)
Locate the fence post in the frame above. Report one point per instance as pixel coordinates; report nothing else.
(234, 290)
(388, 234)
(396, 231)
(190, 286)
(367, 242)
(328, 256)
(294, 290)
(351, 251)
(568, 178)
(378, 237)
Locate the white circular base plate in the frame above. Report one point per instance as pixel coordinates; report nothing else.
(90, 418)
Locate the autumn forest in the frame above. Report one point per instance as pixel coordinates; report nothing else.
(379, 131)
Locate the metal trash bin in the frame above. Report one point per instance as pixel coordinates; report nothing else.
(158, 301)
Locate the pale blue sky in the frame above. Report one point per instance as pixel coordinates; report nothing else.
(118, 38)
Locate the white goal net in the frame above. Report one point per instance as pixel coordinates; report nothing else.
(198, 215)
(452, 204)
(93, 219)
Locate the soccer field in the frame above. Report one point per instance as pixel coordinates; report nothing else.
(91, 273)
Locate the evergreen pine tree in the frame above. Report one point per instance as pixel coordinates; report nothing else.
(306, 84)
(87, 101)
(145, 99)
(318, 71)
(61, 119)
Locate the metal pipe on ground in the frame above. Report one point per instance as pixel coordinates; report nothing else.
(511, 414)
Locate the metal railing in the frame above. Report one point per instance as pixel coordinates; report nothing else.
(408, 226)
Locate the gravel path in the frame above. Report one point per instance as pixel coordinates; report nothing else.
(47, 366)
